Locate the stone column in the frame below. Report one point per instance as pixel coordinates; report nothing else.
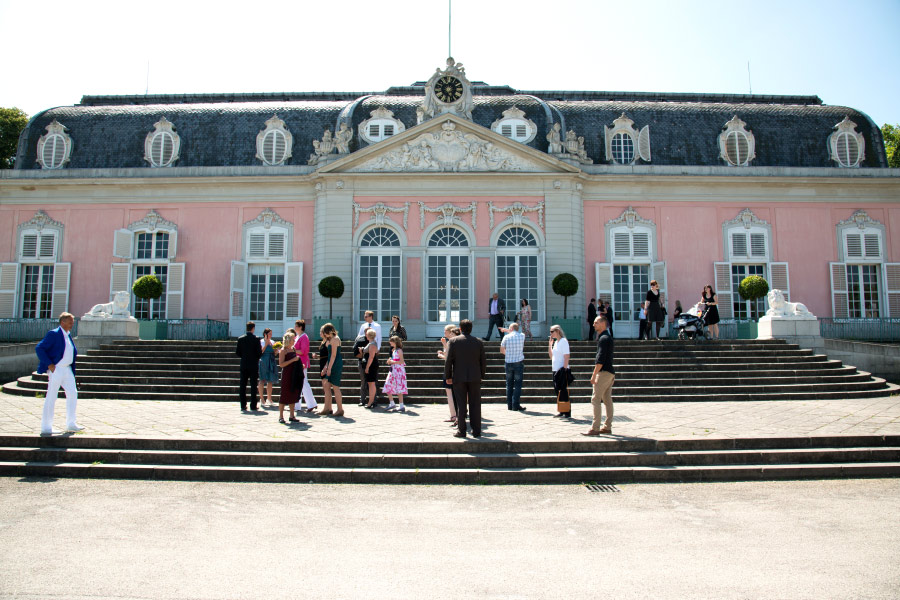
(564, 215)
(333, 248)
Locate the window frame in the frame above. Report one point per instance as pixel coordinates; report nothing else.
(379, 252)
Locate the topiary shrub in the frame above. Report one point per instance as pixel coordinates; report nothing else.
(565, 285)
(753, 287)
(331, 287)
(148, 287)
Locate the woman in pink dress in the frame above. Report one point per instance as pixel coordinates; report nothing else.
(396, 379)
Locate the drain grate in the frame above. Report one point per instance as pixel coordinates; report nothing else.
(593, 487)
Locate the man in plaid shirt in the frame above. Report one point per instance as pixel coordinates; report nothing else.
(513, 349)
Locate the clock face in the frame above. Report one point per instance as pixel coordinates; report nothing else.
(448, 89)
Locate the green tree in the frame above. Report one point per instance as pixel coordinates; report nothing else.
(565, 285)
(12, 122)
(891, 135)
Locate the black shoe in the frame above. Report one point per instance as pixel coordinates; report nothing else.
(362, 403)
(521, 409)
(243, 409)
(254, 408)
(568, 415)
(459, 434)
(476, 435)
(509, 408)
(486, 339)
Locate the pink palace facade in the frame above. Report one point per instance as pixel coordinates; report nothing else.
(425, 199)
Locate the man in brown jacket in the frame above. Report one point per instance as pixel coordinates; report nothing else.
(464, 369)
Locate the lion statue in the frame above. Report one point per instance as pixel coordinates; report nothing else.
(117, 309)
(779, 307)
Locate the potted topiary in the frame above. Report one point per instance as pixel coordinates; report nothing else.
(751, 288)
(565, 285)
(149, 287)
(330, 287)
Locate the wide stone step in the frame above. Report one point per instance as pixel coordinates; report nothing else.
(459, 461)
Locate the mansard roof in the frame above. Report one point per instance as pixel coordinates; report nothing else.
(220, 129)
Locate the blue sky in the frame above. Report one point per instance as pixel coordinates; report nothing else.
(841, 51)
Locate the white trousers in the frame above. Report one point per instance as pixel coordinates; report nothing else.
(307, 391)
(64, 377)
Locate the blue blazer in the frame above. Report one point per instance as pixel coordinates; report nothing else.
(50, 350)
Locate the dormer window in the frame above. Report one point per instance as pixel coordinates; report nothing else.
(515, 126)
(625, 144)
(380, 126)
(736, 143)
(846, 146)
(55, 147)
(162, 144)
(273, 144)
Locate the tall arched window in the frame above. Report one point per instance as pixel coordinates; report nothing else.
(379, 273)
(448, 276)
(517, 269)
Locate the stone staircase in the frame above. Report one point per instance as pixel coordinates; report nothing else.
(624, 460)
(647, 371)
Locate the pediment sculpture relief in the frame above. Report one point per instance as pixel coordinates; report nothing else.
(447, 150)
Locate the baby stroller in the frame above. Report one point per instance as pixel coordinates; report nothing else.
(690, 325)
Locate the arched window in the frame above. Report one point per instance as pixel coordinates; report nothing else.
(447, 237)
(379, 273)
(736, 143)
(846, 146)
(448, 276)
(36, 286)
(514, 125)
(517, 269)
(380, 126)
(625, 144)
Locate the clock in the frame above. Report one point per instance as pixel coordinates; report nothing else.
(448, 89)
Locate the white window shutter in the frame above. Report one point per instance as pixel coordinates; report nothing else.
(9, 289)
(778, 278)
(236, 304)
(872, 245)
(173, 244)
(175, 291)
(758, 247)
(622, 244)
(276, 245)
(29, 247)
(739, 245)
(123, 243)
(641, 243)
(119, 279)
(603, 273)
(293, 290)
(644, 144)
(892, 289)
(47, 248)
(723, 290)
(854, 245)
(839, 299)
(62, 273)
(256, 247)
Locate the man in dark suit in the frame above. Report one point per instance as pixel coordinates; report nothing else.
(592, 314)
(56, 354)
(249, 349)
(608, 313)
(464, 369)
(496, 309)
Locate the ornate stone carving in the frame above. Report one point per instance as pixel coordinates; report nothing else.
(516, 116)
(381, 114)
(571, 149)
(52, 159)
(379, 211)
(630, 218)
(448, 213)
(155, 146)
(342, 139)
(322, 148)
(640, 140)
(779, 307)
(861, 219)
(517, 210)
(439, 86)
(274, 124)
(746, 219)
(151, 222)
(446, 150)
(739, 154)
(846, 146)
(267, 217)
(39, 221)
(554, 139)
(117, 310)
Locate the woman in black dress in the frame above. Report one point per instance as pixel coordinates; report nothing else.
(710, 311)
(654, 309)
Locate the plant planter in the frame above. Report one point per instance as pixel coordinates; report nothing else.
(747, 330)
(572, 327)
(154, 330)
(317, 323)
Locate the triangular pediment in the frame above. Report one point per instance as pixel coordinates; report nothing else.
(448, 144)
